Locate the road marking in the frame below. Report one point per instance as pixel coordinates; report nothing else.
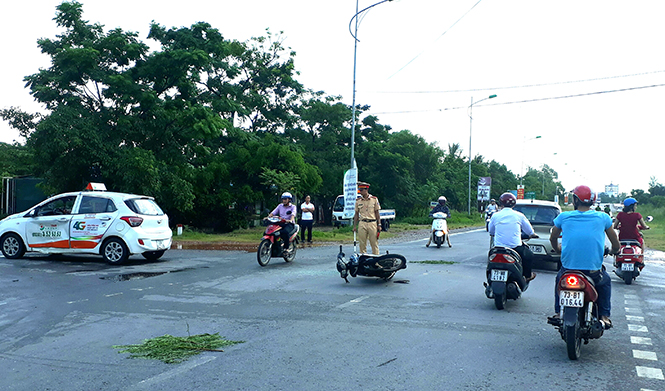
(77, 301)
(631, 302)
(148, 383)
(633, 318)
(635, 310)
(638, 327)
(652, 373)
(628, 296)
(641, 340)
(113, 294)
(641, 354)
(354, 301)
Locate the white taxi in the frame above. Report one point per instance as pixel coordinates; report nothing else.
(95, 221)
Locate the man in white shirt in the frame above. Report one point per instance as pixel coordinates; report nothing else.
(306, 220)
(506, 227)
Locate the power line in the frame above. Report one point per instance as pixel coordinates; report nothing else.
(521, 86)
(419, 54)
(526, 100)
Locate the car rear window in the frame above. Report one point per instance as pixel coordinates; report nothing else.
(144, 206)
(538, 214)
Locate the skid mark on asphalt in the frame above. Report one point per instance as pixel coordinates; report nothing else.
(639, 337)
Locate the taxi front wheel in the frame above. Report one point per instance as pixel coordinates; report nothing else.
(12, 246)
(115, 251)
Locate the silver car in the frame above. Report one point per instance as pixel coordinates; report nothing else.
(541, 215)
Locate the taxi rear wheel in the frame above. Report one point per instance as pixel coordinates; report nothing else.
(12, 246)
(115, 251)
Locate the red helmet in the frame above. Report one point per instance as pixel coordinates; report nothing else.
(508, 200)
(585, 195)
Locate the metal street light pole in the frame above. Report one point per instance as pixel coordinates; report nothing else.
(470, 128)
(355, 51)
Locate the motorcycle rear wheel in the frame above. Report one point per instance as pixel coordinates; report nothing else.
(263, 254)
(500, 301)
(627, 278)
(573, 336)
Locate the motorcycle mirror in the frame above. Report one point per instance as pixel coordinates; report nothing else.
(649, 218)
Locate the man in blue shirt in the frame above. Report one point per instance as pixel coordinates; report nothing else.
(583, 245)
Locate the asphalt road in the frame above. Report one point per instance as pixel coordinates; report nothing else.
(430, 328)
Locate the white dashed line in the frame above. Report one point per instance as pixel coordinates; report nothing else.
(633, 318)
(640, 341)
(113, 294)
(634, 310)
(638, 328)
(652, 373)
(643, 355)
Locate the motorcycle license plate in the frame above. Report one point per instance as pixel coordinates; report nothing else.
(627, 267)
(571, 298)
(499, 275)
(537, 249)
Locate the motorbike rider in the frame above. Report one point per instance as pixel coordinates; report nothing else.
(287, 211)
(628, 221)
(582, 247)
(492, 207)
(440, 207)
(506, 227)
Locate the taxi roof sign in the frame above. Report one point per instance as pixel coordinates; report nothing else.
(96, 186)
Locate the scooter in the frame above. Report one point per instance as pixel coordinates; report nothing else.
(488, 217)
(504, 276)
(439, 232)
(272, 245)
(629, 261)
(369, 265)
(578, 319)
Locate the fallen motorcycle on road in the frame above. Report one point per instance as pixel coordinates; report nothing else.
(369, 265)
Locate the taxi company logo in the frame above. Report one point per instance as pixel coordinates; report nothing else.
(79, 225)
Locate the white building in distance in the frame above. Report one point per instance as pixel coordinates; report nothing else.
(612, 190)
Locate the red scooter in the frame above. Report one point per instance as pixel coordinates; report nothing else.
(272, 244)
(579, 320)
(629, 262)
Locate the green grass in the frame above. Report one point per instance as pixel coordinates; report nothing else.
(173, 350)
(654, 237)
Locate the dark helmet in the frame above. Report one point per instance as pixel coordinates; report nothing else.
(508, 200)
(584, 195)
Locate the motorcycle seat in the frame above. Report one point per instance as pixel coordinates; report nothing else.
(629, 242)
(505, 250)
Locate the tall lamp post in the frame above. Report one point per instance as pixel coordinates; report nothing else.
(470, 127)
(354, 34)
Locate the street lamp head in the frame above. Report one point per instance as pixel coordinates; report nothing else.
(492, 96)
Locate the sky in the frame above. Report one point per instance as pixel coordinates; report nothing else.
(580, 85)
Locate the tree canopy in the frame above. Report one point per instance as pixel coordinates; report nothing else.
(214, 128)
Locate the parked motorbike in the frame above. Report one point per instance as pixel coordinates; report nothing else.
(504, 276)
(272, 244)
(439, 232)
(629, 261)
(369, 265)
(579, 318)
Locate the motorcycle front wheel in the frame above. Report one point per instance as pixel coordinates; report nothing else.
(573, 335)
(264, 252)
(439, 241)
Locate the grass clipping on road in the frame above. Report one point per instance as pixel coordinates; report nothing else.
(174, 350)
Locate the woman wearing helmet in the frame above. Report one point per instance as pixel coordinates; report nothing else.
(287, 211)
(628, 222)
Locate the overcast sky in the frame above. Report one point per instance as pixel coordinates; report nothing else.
(586, 76)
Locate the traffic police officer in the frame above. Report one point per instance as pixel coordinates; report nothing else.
(367, 219)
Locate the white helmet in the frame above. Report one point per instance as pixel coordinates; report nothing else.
(286, 194)
(442, 198)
